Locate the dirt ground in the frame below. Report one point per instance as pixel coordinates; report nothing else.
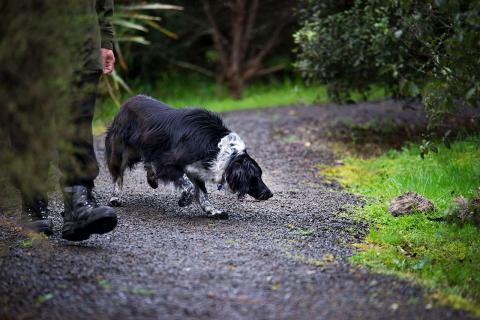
(286, 258)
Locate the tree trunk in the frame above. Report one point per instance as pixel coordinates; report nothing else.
(235, 66)
(235, 85)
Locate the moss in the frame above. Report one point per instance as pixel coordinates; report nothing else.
(442, 256)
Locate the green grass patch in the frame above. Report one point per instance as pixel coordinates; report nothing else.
(197, 91)
(437, 254)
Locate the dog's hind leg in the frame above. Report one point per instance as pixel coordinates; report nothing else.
(187, 191)
(201, 196)
(115, 200)
(152, 178)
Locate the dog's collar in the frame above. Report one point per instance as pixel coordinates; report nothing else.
(219, 186)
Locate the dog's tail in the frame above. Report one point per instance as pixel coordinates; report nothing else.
(110, 156)
(118, 154)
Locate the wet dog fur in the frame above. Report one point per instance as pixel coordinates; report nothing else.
(187, 147)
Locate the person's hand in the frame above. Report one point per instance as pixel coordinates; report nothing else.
(108, 60)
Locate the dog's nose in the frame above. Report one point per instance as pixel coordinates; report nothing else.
(267, 195)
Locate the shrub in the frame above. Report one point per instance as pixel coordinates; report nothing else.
(427, 49)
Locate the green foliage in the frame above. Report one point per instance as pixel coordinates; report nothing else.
(335, 48)
(417, 49)
(131, 23)
(437, 253)
(196, 90)
(39, 55)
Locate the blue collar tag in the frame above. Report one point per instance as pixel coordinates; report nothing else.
(219, 187)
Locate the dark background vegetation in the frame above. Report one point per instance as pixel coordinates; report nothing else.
(422, 50)
(38, 57)
(415, 49)
(224, 42)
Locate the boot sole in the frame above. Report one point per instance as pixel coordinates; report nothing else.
(79, 231)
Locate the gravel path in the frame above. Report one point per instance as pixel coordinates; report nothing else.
(286, 258)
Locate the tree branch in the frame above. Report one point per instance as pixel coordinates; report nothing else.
(238, 18)
(249, 28)
(254, 64)
(217, 35)
(263, 72)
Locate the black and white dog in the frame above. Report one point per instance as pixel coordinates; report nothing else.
(185, 146)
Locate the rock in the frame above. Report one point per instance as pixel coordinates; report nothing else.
(465, 211)
(408, 203)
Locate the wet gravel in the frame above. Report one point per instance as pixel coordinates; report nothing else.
(286, 258)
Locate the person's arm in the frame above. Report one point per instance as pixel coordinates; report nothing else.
(105, 13)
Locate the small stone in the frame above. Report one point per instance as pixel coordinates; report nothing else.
(408, 203)
(394, 306)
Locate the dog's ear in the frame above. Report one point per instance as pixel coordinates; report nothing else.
(237, 178)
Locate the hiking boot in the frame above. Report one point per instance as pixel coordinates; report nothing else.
(35, 216)
(83, 217)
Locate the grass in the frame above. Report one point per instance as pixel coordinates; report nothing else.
(201, 92)
(439, 255)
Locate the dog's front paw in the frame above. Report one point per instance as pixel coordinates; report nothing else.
(152, 182)
(115, 202)
(186, 199)
(221, 215)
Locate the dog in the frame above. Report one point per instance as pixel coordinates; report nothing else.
(187, 147)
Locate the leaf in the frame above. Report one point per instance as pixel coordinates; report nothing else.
(121, 59)
(421, 264)
(138, 16)
(470, 93)
(143, 291)
(44, 298)
(447, 144)
(151, 6)
(27, 243)
(104, 283)
(111, 92)
(328, 258)
(158, 27)
(277, 286)
(129, 25)
(414, 91)
(305, 232)
(116, 77)
(423, 150)
(137, 39)
(446, 139)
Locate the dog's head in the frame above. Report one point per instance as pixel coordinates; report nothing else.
(244, 176)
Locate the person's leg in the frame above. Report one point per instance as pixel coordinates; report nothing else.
(29, 167)
(77, 160)
(79, 166)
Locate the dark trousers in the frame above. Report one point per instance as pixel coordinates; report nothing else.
(77, 160)
(72, 135)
